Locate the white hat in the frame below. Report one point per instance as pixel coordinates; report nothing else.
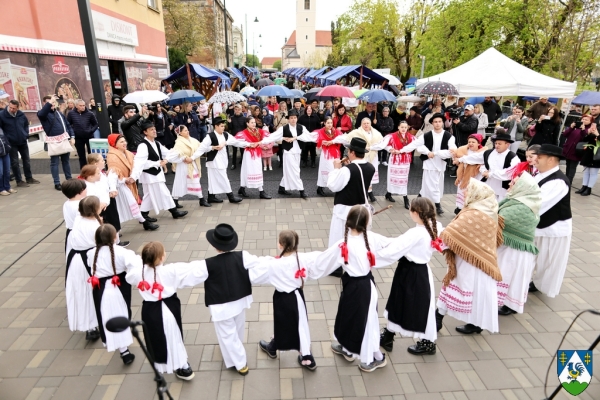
(469, 107)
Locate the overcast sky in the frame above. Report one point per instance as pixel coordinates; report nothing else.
(277, 21)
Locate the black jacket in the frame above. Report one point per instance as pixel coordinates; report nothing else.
(84, 124)
(492, 110)
(237, 124)
(115, 113)
(133, 132)
(311, 123)
(16, 129)
(588, 152)
(364, 114)
(467, 126)
(546, 132)
(385, 125)
(397, 117)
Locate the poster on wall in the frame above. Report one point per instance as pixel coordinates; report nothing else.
(26, 89)
(6, 82)
(143, 76)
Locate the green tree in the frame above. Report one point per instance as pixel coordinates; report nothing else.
(177, 59)
(187, 27)
(277, 65)
(252, 61)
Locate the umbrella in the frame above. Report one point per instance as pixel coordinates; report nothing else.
(264, 82)
(297, 92)
(145, 96)
(409, 99)
(438, 87)
(248, 90)
(312, 94)
(392, 80)
(280, 80)
(377, 95)
(276, 90)
(226, 97)
(358, 92)
(336, 91)
(181, 96)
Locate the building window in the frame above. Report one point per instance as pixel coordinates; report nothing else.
(307, 4)
(306, 37)
(306, 19)
(153, 4)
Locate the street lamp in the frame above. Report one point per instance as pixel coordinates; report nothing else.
(255, 20)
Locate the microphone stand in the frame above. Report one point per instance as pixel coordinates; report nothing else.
(161, 384)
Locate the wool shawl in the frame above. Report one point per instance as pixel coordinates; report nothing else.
(333, 150)
(252, 137)
(465, 171)
(397, 142)
(122, 164)
(371, 138)
(186, 147)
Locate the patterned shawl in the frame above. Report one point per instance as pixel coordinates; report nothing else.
(332, 151)
(252, 137)
(373, 138)
(186, 147)
(122, 164)
(397, 142)
(465, 172)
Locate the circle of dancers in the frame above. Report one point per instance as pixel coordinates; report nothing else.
(511, 236)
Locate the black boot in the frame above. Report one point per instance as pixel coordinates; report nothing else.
(242, 192)
(233, 198)
(532, 288)
(438, 209)
(303, 195)
(468, 329)
(268, 347)
(371, 196)
(147, 217)
(456, 211)
(388, 197)
(283, 191)
(149, 226)
(386, 339)
(204, 203)
(304, 163)
(265, 196)
(312, 164)
(406, 203)
(423, 347)
(177, 205)
(581, 190)
(587, 192)
(213, 199)
(175, 213)
(438, 320)
(504, 310)
(320, 191)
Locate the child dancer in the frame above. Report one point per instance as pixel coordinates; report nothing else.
(74, 190)
(161, 308)
(112, 293)
(410, 309)
(287, 273)
(356, 324)
(78, 292)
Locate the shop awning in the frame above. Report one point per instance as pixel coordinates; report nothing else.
(237, 73)
(198, 70)
(311, 75)
(332, 76)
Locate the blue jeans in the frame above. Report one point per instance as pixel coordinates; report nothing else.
(64, 159)
(4, 173)
(97, 134)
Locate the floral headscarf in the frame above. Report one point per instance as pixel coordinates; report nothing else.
(527, 191)
(481, 197)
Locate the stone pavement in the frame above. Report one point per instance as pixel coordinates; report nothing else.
(41, 359)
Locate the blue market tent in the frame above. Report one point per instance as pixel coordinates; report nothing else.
(369, 76)
(534, 98)
(587, 98)
(311, 76)
(237, 73)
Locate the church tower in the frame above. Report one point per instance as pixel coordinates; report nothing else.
(306, 15)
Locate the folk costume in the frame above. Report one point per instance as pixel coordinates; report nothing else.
(102, 189)
(516, 257)
(469, 290)
(553, 233)
(329, 153)
(70, 212)
(251, 173)
(465, 172)
(187, 176)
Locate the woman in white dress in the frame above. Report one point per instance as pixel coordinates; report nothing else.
(188, 171)
(251, 173)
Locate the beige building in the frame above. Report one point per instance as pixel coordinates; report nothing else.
(239, 54)
(306, 46)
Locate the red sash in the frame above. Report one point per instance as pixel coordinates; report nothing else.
(250, 138)
(396, 143)
(331, 151)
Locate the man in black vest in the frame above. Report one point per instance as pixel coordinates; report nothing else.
(495, 163)
(553, 233)
(147, 167)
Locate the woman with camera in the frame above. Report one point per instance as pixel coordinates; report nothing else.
(590, 161)
(190, 119)
(547, 128)
(576, 133)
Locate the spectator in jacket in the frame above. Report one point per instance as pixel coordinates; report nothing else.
(515, 126)
(267, 120)
(465, 126)
(385, 125)
(164, 127)
(430, 105)
(131, 126)
(55, 124)
(311, 121)
(189, 118)
(272, 105)
(398, 114)
(115, 113)
(595, 113)
(539, 108)
(84, 124)
(237, 123)
(492, 109)
(577, 132)
(547, 128)
(414, 120)
(15, 125)
(5, 189)
(370, 112)
(592, 167)
(482, 119)
(70, 106)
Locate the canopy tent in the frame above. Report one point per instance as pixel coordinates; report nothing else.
(553, 100)
(357, 73)
(196, 76)
(311, 76)
(411, 81)
(237, 73)
(493, 74)
(587, 98)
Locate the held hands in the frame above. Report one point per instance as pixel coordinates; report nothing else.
(430, 155)
(188, 160)
(113, 194)
(130, 181)
(486, 174)
(289, 139)
(217, 148)
(163, 163)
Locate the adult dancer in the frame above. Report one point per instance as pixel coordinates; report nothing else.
(465, 172)
(251, 174)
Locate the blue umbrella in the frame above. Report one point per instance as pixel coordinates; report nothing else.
(475, 100)
(377, 95)
(276, 90)
(181, 96)
(297, 92)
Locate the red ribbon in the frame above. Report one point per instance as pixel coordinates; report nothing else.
(437, 244)
(116, 280)
(94, 281)
(344, 247)
(371, 258)
(301, 273)
(143, 286)
(159, 287)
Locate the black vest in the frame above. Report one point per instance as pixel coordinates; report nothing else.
(428, 139)
(228, 280)
(507, 160)
(288, 133)
(153, 156)
(214, 141)
(561, 211)
(352, 194)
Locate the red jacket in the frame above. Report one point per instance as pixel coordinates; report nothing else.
(345, 123)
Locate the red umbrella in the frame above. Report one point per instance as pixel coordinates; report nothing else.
(336, 91)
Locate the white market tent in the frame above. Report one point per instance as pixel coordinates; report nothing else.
(493, 74)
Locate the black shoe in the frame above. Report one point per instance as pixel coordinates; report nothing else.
(268, 348)
(532, 288)
(92, 335)
(214, 199)
(386, 339)
(320, 191)
(338, 272)
(312, 366)
(177, 205)
(175, 213)
(185, 373)
(127, 357)
(32, 181)
(147, 217)
(233, 198)
(371, 196)
(468, 329)
(423, 347)
(406, 203)
(233, 166)
(58, 187)
(242, 192)
(281, 165)
(388, 197)
(504, 310)
(283, 191)
(263, 195)
(419, 195)
(581, 190)
(304, 163)
(312, 164)
(303, 195)
(438, 209)
(204, 203)
(24, 184)
(456, 211)
(149, 226)
(587, 192)
(124, 243)
(438, 320)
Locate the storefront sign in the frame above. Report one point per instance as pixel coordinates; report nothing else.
(60, 67)
(26, 89)
(117, 84)
(163, 72)
(114, 30)
(103, 69)
(149, 69)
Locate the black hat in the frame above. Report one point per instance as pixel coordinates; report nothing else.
(437, 115)
(358, 145)
(415, 109)
(217, 121)
(293, 113)
(146, 125)
(223, 237)
(551, 150)
(502, 136)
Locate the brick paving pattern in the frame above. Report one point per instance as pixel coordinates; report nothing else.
(41, 359)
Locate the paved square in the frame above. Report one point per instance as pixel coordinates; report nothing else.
(41, 359)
